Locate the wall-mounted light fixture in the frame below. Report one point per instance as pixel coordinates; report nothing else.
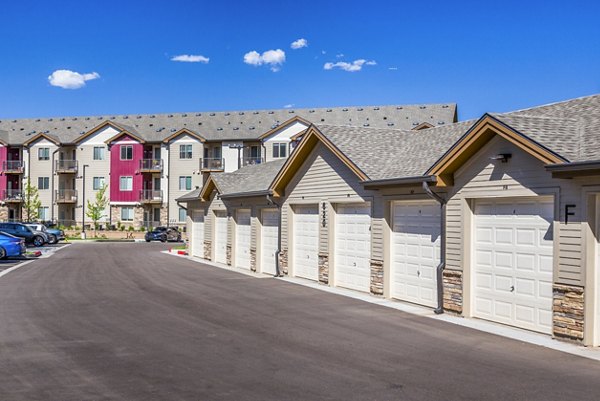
(503, 157)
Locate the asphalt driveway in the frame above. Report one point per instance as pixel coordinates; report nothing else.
(125, 322)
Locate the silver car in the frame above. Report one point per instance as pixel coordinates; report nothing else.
(39, 229)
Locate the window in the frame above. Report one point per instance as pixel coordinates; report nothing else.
(127, 213)
(217, 152)
(43, 182)
(185, 151)
(43, 214)
(98, 183)
(182, 214)
(99, 153)
(126, 152)
(126, 184)
(43, 153)
(279, 149)
(185, 183)
(254, 152)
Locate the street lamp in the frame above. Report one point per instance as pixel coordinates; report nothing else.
(83, 205)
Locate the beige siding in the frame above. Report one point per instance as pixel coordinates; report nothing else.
(42, 168)
(522, 175)
(176, 167)
(324, 180)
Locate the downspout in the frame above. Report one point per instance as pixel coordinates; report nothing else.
(278, 251)
(440, 268)
(52, 187)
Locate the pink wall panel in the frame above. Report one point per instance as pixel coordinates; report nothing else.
(120, 168)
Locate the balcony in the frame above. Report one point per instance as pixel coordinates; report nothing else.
(151, 166)
(66, 196)
(148, 196)
(12, 195)
(251, 161)
(12, 167)
(208, 164)
(66, 166)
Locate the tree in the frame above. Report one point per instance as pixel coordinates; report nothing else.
(31, 202)
(95, 210)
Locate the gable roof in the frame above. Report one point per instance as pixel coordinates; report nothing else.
(190, 196)
(250, 180)
(286, 124)
(124, 132)
(41, 135)
(229, 125)
(184, 131)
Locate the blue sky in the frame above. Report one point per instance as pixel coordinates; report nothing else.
(485, 57)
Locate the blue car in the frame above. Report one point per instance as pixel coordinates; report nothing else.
(11, 246)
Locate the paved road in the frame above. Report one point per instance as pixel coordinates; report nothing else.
(125, 322)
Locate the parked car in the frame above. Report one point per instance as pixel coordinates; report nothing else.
(11, 246)
(37, 238)
(54, 234)
(163, 234)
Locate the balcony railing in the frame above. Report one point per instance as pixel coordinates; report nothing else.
(12, 195)
(66, 196)
(208, 164)
(12, 166)
(151, 196)
(66, 166)
(151, 165)
(250, 161)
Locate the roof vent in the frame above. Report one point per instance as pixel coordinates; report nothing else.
(184, 115)
(271, 112)
(416, 123)
(37, 121)
(87, 118)
(113, 117)
(50, 119)
(291, 111)
(241, 113)
(236, 128)
(170, 115)
(124, 117)
(219, 129)
(441, 123)
(390, 124)
(82, 132)
(251, 127)
(384, 117)
(311, 111)
(444, 106)
(212, 114)
(68, 127)
(173, 129)
(375, 108)
(399, 108)
(139, 117)
(198, 114)
(344, 109)
(200, 123)
(256, 112)
(366, 124)
(100, 118)
(329, 110)
(152, 116)
(322, 120)
(150, 125)
(360, 109)
(62, 119)
(422, 107)
(227, 113)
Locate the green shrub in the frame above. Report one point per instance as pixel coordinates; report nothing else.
(122, 228)
(131, 228)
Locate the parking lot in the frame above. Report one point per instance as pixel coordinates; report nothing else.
(124, 321)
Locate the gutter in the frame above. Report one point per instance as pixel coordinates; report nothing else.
(591, 167)
(278, 251)
(442, 265)
(373, 184)
(248, 194)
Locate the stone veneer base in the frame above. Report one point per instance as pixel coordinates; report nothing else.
(323, 268)
(567, 312)
(376, 286)
(453, 291)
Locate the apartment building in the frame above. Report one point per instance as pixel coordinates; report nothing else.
(148, 161)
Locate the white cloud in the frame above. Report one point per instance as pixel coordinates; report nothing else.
(323, 52)
(339, 55)
(392, 68)
(68, 79)
(273, 58)
(354, 66)
(191, 58)
(299, 44)
(288, 106)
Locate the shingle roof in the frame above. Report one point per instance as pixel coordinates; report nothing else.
(190, 196)
(248, 179)
(384, 153)
(244, 125)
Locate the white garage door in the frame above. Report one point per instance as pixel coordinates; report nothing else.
(353, 247)
(306, 242)
(269, 240)
(197, 237)
(221, 236)
(242, 239)
(513, 262)
(415, 248)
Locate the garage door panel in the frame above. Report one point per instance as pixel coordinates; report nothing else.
(269, 240)
(352, 268)
(415, 251)
(197, 237)
(242, 239)
(513, 253)
(221, 237)
(306, 242)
